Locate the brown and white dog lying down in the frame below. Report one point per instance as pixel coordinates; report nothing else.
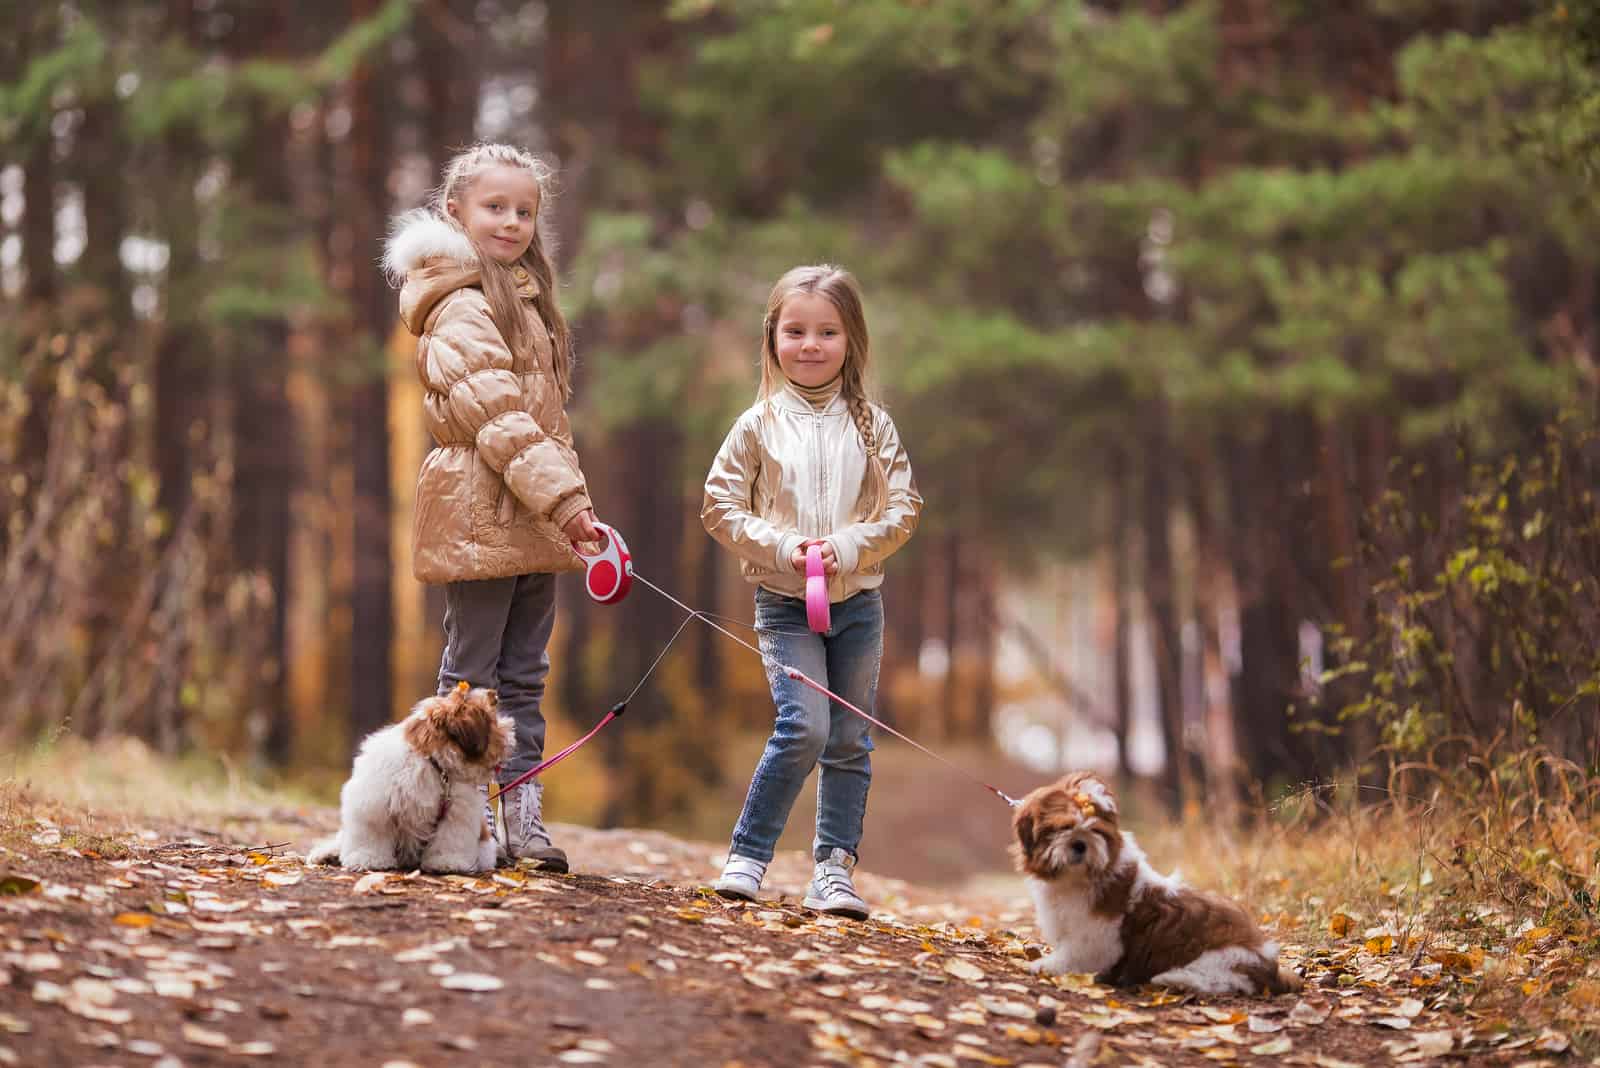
(1105, 910)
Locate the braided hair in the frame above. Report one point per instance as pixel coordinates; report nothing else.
(840, 288)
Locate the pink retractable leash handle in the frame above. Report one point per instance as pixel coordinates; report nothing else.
(609, 570)
(817, 612)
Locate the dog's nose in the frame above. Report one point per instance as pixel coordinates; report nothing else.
(1079, 848)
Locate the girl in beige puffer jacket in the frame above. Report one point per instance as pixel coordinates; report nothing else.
(502, 500)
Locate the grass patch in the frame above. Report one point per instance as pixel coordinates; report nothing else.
(107, 789)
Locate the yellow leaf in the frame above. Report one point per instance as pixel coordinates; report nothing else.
(1380, 944)
(135, 919)
(16, 885)
(1339, 925)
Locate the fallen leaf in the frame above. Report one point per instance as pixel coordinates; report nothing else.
(1276, 1048)
(474, 982)
(1222, 1016)
(201, 1036)
(17, 885)
(1308, 1013)
(964, 969)
(370, 882)
(1551, 1042)
(1434, 1043)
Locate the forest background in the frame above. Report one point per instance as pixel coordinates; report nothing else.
(1245, 351)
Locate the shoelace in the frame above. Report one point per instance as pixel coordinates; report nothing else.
(835, 881)
(529, 816)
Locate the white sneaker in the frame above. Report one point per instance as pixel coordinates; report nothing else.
(741, 878)
(831, 890)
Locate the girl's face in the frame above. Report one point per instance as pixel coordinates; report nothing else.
(499, 209)
(809, 340)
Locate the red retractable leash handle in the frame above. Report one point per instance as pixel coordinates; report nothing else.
(608, 571)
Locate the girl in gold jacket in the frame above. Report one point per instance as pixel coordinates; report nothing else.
(502, 500)
(812, 462)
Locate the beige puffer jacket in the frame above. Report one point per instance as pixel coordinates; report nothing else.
(493, 497)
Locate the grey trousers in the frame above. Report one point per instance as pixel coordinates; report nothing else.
(496, 632)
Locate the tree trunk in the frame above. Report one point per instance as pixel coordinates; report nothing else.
(447, 39)
(1121, 539)
(1268, 680)
(102, 153)
(643, 478)
(948, 721)
(983, 697)
(1211, 592)
(367, 403)
(264, 460)
(1161, 602)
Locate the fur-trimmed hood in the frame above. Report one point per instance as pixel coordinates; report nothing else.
(428, 258)
(419, 236)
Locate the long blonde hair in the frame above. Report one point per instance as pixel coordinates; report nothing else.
(499, 287)
(842, 290)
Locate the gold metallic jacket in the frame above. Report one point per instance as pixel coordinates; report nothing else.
(493, 497)
(788, 473)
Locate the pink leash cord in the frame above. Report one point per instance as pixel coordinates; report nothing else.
(550, 762)
(818, 618)
(800, 676)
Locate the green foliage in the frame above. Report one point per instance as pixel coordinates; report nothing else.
(1486, 621)
(27, 104)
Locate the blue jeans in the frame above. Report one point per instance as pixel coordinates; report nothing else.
(811, 729)
(496, 632)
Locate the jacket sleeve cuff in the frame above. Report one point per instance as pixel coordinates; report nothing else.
(786, 547)
(568, 507)
(844, 551)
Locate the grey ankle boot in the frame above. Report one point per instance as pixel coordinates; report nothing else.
(526, 837)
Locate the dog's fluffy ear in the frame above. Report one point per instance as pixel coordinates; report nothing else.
(425, 733)
(1025, 827)
(469, 725)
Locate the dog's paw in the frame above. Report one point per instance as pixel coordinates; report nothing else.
(324, 852)
(1049, 964)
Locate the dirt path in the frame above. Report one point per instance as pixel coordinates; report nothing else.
(178, 946)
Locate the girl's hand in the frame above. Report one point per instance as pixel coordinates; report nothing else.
(581, 528)
(830, 562)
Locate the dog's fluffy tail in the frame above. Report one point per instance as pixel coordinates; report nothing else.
(1287, 982)
(325, 852)
(1276, 978)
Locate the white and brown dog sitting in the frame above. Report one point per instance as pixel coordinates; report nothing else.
(412, 799)
(1105, 910)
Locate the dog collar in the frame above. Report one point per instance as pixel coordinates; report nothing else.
(444, 797)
